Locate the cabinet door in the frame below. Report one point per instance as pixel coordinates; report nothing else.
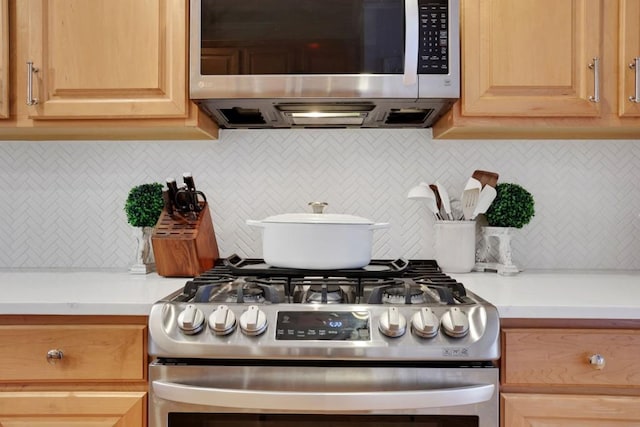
(540, 410)
(4, 59)
(629, 54)
(530, 57)
(72, 409)
(105, 58)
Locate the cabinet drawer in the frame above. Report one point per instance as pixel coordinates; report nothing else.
(89, 353)
(72, 409)
(564, 410)
(562, 357)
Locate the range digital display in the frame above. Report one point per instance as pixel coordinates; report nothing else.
(323, 326)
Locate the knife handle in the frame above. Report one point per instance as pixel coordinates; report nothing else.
(168, 204)
(188, 180)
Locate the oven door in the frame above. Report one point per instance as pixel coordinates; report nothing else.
(199, 395)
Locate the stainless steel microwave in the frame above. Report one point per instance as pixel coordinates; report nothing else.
(324, 63)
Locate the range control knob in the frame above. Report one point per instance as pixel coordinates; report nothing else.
(253, 321)
(455, 323)
(425, 323)
(222, 321)
(191, 320)
(392, 323)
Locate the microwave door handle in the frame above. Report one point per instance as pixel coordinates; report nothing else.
(411, 41)
(322, 401)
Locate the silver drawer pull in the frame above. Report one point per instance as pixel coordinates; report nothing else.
(597, 361)
(54, 355)
(595, 66)
(30, 70)
(636, 64)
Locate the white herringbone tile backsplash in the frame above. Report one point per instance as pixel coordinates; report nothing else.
(61, 205)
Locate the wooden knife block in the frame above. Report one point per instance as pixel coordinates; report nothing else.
(182, 246)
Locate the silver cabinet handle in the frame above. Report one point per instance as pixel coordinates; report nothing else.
(595, 66)
(30, 70)
(636, 64)
(411, 39)
(54, 355)
(322, 401)
(597, 361)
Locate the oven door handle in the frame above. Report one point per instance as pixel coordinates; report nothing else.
(322, 401)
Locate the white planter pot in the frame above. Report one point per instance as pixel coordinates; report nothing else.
(494, 251)
(144, 254)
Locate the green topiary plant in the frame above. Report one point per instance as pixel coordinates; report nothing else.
(512, 207)
(144, 205)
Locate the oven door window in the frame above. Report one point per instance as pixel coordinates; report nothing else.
(302, 37)
(263, 420)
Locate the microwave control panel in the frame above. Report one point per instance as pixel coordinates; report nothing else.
(434, 37)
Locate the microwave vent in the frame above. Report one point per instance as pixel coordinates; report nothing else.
(407, 116)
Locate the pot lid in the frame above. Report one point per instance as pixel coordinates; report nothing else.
(315, 218)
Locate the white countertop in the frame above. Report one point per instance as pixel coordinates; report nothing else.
(530, 294)
(559, 294)
(82, 292)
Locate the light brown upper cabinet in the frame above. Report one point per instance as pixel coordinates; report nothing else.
(4, 59)
(546, 69)
(100, 69)
(629, 67)
(105, 58)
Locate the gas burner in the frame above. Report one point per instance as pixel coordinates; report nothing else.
(329, 294)
(249, 293)
(398, 294)
(208, 279)
(324, 290)
(238, 290)
(448, 290)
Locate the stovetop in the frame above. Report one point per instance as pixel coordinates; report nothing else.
(388, 310)
(250, 281)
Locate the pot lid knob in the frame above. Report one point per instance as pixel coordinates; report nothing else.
(318, 207)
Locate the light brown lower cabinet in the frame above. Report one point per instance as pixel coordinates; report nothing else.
(73, 371)
(570, 376)
(560, 410)
(72, 409)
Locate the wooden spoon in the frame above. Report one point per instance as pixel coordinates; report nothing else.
(486, 177)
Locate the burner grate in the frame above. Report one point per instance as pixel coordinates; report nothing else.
(251, 281)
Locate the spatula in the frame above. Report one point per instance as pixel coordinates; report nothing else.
(470, 197)
(487, 194)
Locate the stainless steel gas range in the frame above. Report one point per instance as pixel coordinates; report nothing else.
(395, 343)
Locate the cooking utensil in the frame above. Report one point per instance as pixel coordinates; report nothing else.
(486, 197)
(423, 191)
(470, 197)
(436, 193)
(486, 178)
(317, 241)
(446, 202)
